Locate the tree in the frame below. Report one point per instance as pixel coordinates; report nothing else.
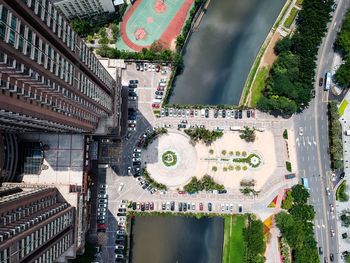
(283, 45)
(345, 217)
(302, 212)
(254, 241)
(342, 76)
(247, 134)
(300, 194)
(288, 201)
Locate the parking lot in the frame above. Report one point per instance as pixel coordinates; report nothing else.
(136, 194)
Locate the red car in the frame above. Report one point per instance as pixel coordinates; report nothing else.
(155, 105)
(160, 89)
(201, 206)
(182, 192)
(151, 206)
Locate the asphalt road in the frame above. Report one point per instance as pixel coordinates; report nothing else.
(312, 144)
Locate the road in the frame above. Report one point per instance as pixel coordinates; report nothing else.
(312, 144)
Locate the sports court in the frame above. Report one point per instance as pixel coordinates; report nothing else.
(150, 20)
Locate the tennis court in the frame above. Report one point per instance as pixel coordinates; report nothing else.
(148, 20)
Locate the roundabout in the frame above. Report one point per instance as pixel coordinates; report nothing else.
(171, 159)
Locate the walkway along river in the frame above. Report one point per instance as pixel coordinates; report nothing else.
(220, 53)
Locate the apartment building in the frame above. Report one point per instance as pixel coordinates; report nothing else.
(49, 79)
(84, 8)
(36, 224)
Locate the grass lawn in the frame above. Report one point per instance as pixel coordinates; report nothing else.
(258, 86)
(233, 239)
(300, 2)
(342, 107)
(293, 13)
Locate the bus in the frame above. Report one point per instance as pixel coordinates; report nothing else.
(328, 81)
(305, 183)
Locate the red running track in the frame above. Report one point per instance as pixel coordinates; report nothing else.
(171, 32)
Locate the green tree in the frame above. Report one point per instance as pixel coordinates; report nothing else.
(303, 212)
(345, 217)
(254, 241)
(247, 134)
(300, 194)
(288, 201)
(342, 76)
(283, 45)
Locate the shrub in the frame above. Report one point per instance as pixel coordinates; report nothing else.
(223, 152)
(341, 194)
(238, 153)
(238, 168)
(211, 151)
(207, 183)
(245, 168)
(244, 154)
(230, 153)
(230, 167)
(285, 134)
(288, 166)
(214, 168)
(225, 169)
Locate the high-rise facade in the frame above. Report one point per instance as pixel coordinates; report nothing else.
(49, 79)
(36, 225)
(84, 8)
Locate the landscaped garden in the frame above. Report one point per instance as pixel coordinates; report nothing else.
(234, 161)
(169, 158)
(243, 240)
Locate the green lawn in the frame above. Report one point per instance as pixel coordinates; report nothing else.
(293, 13)
(342, 107)
(258, 86)
(233, 239)
(300, 2)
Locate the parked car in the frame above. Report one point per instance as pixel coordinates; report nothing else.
(210, 207)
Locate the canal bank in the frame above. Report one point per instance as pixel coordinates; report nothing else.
(256, 69)
(222, 50)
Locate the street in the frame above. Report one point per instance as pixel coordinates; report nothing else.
(313, 158)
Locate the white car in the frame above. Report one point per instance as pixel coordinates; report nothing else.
(162, 81)
(136, 159)
(102, 196)
(119, 247)
(119, 232)
(119, 256)
(132, 129)
(222, 207)
(121, 219)
(122, 206)
(137, 150)
(121, 224)
(120, 187)
(101, 209)
(132, 121)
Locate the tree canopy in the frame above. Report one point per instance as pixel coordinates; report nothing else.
(291, 79)
(297, 228)
(254, 241)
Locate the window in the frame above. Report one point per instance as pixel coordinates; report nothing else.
(3, 22)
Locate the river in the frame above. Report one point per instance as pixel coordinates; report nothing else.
(171, 239)
(221, 52)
